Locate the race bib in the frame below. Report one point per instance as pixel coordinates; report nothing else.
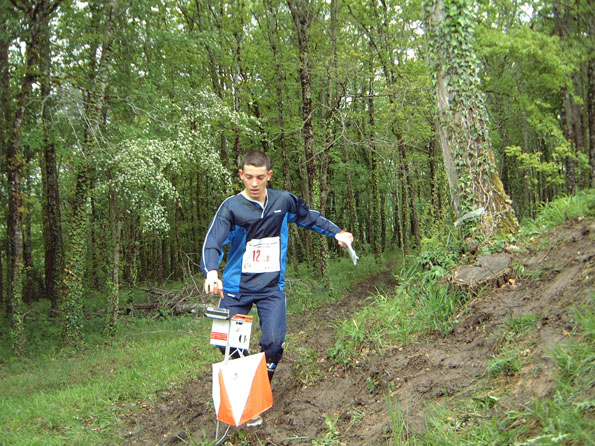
(262, 255)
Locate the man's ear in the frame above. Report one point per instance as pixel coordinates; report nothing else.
(269, 175)
(241, 173)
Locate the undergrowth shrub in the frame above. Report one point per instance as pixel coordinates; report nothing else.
(439, 253)
(560, 211)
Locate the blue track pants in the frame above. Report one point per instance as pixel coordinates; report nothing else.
(271, 310)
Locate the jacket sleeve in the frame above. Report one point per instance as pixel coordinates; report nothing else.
(216, 238)
(310, 219)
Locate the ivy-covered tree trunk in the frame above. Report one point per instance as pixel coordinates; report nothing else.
(591, 114)
(114, 292)
(2, 251)
(4, 90)
(468, 154)
(73, 290)
(71, 302)
(15, 236)
(96, 245)
(29, 285)
(37, 18)
(373, 158)
(4, 125)
(51, 213)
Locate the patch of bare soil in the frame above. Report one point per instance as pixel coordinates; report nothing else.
(559, 272)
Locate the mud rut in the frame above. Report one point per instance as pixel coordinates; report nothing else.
(430, 369)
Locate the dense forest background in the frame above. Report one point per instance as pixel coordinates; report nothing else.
(122, 123)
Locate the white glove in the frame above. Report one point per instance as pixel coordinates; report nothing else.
(213, 284)
(345, 239)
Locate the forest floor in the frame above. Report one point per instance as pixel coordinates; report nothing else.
(558, 276)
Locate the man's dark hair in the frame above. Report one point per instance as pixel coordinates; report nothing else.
(256, 158)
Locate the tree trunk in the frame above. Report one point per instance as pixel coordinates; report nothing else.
(4, 91)
(330, 115)
(173, 262)
(382, 222)
(29, 285)
(396, 237)
(236, 81)
(51, 214)
(72, 290)
(302, 14)
(571, 133)
(388, 67)
(591, 108)
(180, 267)
(72, 296)
(272, 34)
(4, 129)
(164, 267)
(114, 292)
(375, 196)
(410, 190)
(570, 113)
(350, 195)
(4, 126)
(95, 240)
(404, 218)
(15, 238)
(464, 121)
(2, 251)
(434, 189)
(134, 248)
(37, 17)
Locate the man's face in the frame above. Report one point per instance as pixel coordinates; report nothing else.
(255, 181)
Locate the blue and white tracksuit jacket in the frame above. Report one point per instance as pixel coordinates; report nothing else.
(255, 267)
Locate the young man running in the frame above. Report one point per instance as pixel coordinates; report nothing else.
(255, 224)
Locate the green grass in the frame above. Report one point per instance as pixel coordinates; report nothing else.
(507, 363)
(77, 398)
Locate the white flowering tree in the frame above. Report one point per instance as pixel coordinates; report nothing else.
(140, 172)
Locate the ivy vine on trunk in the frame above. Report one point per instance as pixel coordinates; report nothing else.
(463, 122)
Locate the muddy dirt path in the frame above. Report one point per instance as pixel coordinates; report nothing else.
(425, 371)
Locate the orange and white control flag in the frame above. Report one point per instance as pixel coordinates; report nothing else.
(241, 389)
